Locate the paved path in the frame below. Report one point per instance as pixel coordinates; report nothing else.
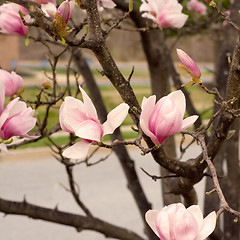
(103, 188)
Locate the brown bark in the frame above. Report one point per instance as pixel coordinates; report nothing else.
(169, 183)
(69, 219)
(232, 184)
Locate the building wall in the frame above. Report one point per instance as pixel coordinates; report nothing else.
(9, 51)
(126, 46)
(200, 47)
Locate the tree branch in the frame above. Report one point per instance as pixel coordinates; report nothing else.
(69, 219)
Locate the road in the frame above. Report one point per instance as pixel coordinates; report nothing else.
(40, 178)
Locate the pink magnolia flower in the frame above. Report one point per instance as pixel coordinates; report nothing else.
(165, 13)
(12, 82)
(16, 119)
(49, 9)
(164, 118)
(65, 9)
(81, 119)
(188, 67)
(10, 20)
(196, 6)
(176, 222)
(105, 4)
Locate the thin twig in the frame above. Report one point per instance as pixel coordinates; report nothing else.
(223, 203)
(155, 178)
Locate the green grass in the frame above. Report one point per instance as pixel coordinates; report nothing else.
(61, 140)
(143, 73)
(201, 99)
(111, 99)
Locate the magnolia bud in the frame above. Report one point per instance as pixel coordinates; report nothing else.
(46, 84)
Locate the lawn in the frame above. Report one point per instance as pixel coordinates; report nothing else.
(203, 102)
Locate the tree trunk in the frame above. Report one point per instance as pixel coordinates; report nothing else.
(230, 150)
(153, 43)
(232, 186)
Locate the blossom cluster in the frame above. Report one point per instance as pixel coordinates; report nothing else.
(158, 120)
(165, 13)
(197, 7)
(80, 118)
(10, 15)
(11, 22)
(16, 119)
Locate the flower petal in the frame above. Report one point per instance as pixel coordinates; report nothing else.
(179, 100)
(148, 105)
(18, 125)
(197, 7)
(107, 3)
(49, 9)
(78, 150)
(197, 213)
(164, 12)
(15, 107)
(146, 130)
(10, 20)
(187, 122)
(189, 63)
(11, 109)
(90, 130)
(168, 125)
(71, 114)
(150, 217)
(2, 96)
(12, 82)
(88, 105)
(65, 9)
(115, 118)
(209, 224)
(61, 119)
(186, 227)
(172, 20)
(163, 225)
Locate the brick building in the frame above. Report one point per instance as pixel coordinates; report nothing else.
(124, 47)
(9, 51)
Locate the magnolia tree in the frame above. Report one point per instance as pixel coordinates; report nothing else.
(157, 118)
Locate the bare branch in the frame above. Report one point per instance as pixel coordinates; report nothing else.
(75, 192)
(69, 219)
(223, 203)
(155, 178)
